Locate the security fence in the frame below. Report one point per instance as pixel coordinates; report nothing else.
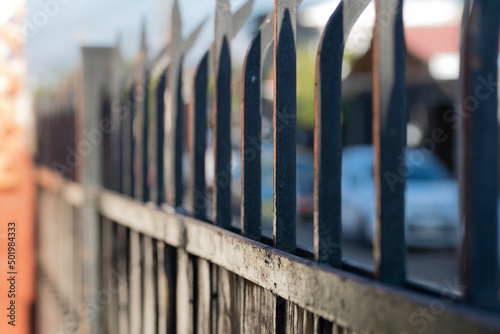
(120, 251)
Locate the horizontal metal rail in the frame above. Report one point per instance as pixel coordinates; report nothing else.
(336, 295)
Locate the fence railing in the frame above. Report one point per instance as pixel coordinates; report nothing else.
(121, 251)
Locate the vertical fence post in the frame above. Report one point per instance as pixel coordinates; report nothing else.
(328, 133)
(145, 140)
(285, 138)
(285, 125)
(222, 115)
(174, 111)
(389, 141)
(140, 119)
(199, 142)
(116, 117)
(96, 78)
(479, 176)
(137, 254)
(174, 118)
(109, 156)
(127, 143)
(227, 25)
(251, 131)
(160, 138)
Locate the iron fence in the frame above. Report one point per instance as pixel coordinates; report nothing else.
(121, 252)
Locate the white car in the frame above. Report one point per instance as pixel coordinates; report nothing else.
(431, 198)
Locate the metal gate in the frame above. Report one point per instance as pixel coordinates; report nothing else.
(118, 253)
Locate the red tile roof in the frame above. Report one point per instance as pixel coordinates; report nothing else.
(424, 42)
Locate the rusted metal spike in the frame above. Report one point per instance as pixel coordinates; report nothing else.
(160, 138)
(199, 127)
(174, 124)
(389, 141)
(225, 29)
(328, 133)
(285, 121)
(251, 138)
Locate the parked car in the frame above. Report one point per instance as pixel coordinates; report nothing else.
(431, 198)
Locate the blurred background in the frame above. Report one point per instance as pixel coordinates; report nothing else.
(40, 46)
(17, 190)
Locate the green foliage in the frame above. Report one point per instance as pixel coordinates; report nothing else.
(306, 73)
